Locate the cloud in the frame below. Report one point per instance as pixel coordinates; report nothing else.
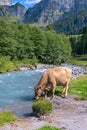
(14, 2)
(30, 2)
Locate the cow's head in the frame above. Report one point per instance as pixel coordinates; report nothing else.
(38, 91)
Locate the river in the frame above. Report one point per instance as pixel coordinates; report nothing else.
(17, 90)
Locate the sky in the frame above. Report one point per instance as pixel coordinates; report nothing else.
(26, 3)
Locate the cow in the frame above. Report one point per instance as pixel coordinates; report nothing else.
(59, 76)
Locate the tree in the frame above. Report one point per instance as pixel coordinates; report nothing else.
(58, 48)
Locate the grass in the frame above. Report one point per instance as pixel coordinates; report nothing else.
(78, 88)
(48, 128)
(41, 107)
(6, 117)
(79, 60)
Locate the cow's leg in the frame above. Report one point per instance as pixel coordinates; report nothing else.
(46, 94)
(67, 87)
(53, 90)
(63, 90)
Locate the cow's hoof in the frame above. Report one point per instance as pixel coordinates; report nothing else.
(63, 96)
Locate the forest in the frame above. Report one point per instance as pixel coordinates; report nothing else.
(28, 44)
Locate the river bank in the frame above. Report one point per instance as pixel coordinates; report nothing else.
(68, 114)
(77, 71)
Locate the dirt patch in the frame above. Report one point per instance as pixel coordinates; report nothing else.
(68, 114)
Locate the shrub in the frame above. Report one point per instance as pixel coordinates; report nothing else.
(6, 117)
(41, 107)
(48, 128)
(7, 65)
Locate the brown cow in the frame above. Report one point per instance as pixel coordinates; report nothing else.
(51, 78)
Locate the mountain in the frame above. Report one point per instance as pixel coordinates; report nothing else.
(17, 10)
(68, 16)
(73, 21)
(47, 11)
(71, 24)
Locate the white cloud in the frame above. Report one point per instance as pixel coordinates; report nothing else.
(31, 1)
(14, 2)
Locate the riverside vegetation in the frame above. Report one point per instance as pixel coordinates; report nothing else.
(41, 107)
(27, 44)
(6, 117)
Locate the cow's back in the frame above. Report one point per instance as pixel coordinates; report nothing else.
(59, 75)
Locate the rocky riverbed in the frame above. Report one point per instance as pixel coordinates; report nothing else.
(76, 70)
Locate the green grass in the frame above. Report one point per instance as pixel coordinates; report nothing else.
(48, 128)
(41, 107)
(78, 88)
(79, 60)
(6, 117)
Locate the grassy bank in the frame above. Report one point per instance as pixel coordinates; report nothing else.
(8, 65)
(6, 117)
(78, 88)
(79, 60)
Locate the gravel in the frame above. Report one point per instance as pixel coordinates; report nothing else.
(68, 114)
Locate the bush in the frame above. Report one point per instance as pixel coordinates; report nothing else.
(48, 128)
(41, 107)
(29, 62)
(6, 65)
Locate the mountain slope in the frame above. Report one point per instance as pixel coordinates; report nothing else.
(73, 22)
(47, 11)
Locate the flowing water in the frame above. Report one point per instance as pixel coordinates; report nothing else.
(17, 91)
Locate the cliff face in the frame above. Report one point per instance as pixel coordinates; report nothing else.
(48, 11)
(73, 21)
(80, 5)
(6, 2)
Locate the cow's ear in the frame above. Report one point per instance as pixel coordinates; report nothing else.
(39, 87)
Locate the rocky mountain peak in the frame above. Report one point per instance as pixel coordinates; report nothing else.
(17, 10)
